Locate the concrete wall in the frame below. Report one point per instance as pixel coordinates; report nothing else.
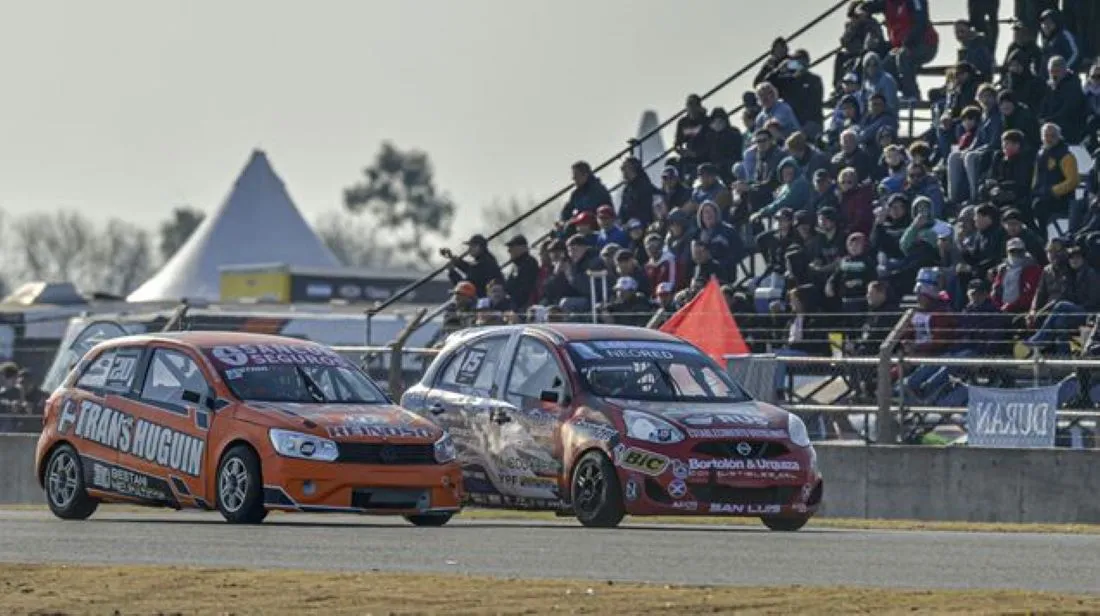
(17, 482)
(961, 483)
(899, 482)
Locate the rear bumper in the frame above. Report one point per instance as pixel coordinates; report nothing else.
(303, 485)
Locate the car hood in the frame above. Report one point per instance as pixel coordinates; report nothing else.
(698, 417)
(350, 422)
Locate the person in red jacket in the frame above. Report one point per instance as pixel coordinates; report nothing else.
(856, 202)
(1016, 280)
(660, 266)
(913, 40)
(933, 332)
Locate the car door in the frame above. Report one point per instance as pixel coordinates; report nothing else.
(527, 444)
(171, 431)
(464, 392)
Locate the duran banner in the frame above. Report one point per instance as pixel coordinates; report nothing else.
(1012, 417)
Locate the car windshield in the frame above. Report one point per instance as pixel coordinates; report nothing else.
(652, 370)
(304, 374)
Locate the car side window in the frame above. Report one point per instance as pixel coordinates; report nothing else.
(534, 370)
(95, 373)
(170, 374)
(474, 366)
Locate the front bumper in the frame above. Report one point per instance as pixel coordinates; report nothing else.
(304, 485)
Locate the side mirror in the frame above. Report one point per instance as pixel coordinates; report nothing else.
(549, 395)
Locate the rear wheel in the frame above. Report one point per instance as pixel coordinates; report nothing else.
(596, 493)
(240, 487)
(429, 519)
(784, 524)
(65, 490)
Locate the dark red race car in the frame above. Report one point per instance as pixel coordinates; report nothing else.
(602, 421)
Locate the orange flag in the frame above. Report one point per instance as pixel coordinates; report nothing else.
(706, 322)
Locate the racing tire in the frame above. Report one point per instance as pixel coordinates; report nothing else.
(595, 491)
(782, 524)
(429, 519)
(64, 482)
(239, 487)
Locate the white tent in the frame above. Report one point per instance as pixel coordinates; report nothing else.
(257, 223)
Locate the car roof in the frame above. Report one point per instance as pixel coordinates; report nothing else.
(575, 332)
(203, 339)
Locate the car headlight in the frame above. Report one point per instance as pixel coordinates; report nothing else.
(796, 431)
(304, 446)
(646, 427)
(445, 449)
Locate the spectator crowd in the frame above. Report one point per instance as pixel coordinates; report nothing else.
(820, 217)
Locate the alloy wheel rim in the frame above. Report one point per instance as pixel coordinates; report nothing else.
(233, 484)
(63, 480)
(590, 487)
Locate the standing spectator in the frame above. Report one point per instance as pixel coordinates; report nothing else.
(1057, 41)
(913, 39)
(853, 43)
(638, 192)
(609, 232)
(773, 107)
(795, 193)
(726, 145)
(679, 244)
(1013, 224)
(777, 56)
(589, 194)
(878, 81)
(851, 155)
(1024, 49)
(1019, 78)
(856, 202)
(983, 17)
(483, 268)
(660, 265)
(1007, 183)
(1064, 103)
(1056, 178)
(522, 281)
(805, 91)
(673, 191)
(1017, 279)
(974, 48)
(691, 135)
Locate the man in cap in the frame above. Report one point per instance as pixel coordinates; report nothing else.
(1024, 49)
(609, 231)
(932, 332)
(585, 225)
(1015, 229)
(459, 313)
(1016, 280)
(630, 307)
(773, 245)
(522, 281)
(480, 271)
(583, 259)
(673, 191)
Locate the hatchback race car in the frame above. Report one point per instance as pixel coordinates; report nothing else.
(241, 423)
(601, 421)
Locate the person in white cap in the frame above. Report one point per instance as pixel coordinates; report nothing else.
(629, 306)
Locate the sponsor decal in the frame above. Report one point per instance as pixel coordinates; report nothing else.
(67, 417)
(768, 433)
(685, 505)
(275, 354)
(679, 469)
(351, 429)
(124, 481)
(471, 364)
(631, 490)
(677, 488)
(535, 466)
(695, 419)
(139, 438)
(638, 354)
(731, 464)
(643, 461)
(597, 431)
(743, 509)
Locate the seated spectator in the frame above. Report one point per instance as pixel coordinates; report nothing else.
(856, 202)
(609, 232)
(638, 192)
(726, 145)
(810, 159)
(1016, 279)
(1057, 41)
(1064, 103)
(848, 115)
(1056, 179)
(630, 307)
(806, 335)
(1019, 78)
(851, 155)
(706, 266)
(556, 283)
(725, 243)
(974, 48)
(1024, 49)
(832, 245)
(978, 155)
(498, 297)
(895, 167)
(795, 193)
(984, 330)
(673, 192)
(483, 268)
(849, 282)
(750, 108)
(585, 225)
(774, 244)
(988, 247)
(1065, 297)
(878, 117)
(459, 313)
(764, 179)
(589, 194)
(773, 107)
(522, 281)
(1007, 182)
(1018, 116)
(680, 235)
(660, 265)
(920, 183)
(913, 39)
(878, 81)
(582, 260)
(627, 265)
(1092, 107)
(1013, 224)
(607, 256)
(709, 187)
(825, 192)
(692, 135)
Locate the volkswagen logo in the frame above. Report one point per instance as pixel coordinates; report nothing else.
(388, 454)
(745, 449)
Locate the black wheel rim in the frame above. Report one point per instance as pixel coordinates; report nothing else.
(590, 488)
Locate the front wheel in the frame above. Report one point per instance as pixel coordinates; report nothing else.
(781, 524)
(597, 495)
(429, 519)
(65, 491)
(240, 487)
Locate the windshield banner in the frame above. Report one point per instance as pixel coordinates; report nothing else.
(633, 349)
(237, 355)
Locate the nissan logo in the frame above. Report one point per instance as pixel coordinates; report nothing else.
(743, 448)
(388, 454)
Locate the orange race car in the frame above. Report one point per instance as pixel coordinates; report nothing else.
(243, 423)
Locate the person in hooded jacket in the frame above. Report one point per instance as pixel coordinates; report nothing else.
(988, 248)
(638, 192)
(795, 193)
(678, 242)
(589, 194)
(1064, 103)
(848, 115)
(724, 242)
(1021, 81)
(856, 202)
(725, 145)
(483, 268)
(825, 192)
(1018, 116)
(878, 81)
(920, 183)
(809, 158)
(851, 155)
(1056, 40)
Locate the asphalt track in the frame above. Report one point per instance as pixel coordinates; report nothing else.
(743, 555)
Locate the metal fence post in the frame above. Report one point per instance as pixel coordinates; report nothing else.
(884, 419)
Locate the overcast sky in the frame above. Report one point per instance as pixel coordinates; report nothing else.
(128, 108)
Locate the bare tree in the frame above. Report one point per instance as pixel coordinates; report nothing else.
(121, 258)
(353, 241)
(499, 213)
(175, 231)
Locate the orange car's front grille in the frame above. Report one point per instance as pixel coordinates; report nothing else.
(385, 453)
